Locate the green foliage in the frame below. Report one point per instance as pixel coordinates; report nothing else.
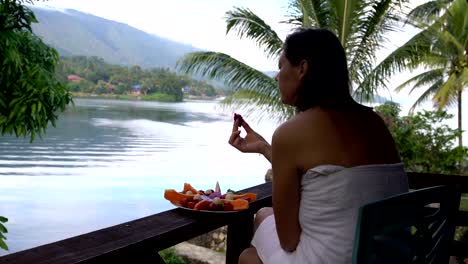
(170, 257)
(161, 97)
(3, 230)
(440, 48)
(98, 77)
(425, 143)
(30, 95)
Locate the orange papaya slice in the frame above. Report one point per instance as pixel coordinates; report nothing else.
(188, 187)
(250, 197)
(239, 204)
(175, 196)
(202, 205)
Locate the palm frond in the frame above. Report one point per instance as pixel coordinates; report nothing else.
(309, 17)
(250, 102)
(449, 41)
(457, 23)
(238, 76)
(408, 56)
(369, 35)
(346, 13)
(427, 94)
(311, 13)
(428, 12)
(447, 90)
(432, 60)
(422, 79)
(464, 79)
(248, 24)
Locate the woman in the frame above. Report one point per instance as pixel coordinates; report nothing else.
(331, 158)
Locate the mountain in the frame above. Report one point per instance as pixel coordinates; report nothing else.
(75, 33)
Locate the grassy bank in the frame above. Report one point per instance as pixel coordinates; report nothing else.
(159, 97)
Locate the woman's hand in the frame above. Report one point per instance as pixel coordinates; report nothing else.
(252, 143)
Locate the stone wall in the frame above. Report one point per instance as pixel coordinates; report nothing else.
(215, 240)
(193, 254)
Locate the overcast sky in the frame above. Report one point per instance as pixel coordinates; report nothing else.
(201, 23)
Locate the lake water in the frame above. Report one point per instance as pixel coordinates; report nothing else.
(109, 161)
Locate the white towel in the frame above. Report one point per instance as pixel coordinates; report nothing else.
(330, 199)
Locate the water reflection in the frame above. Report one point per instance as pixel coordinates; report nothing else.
(109, 161)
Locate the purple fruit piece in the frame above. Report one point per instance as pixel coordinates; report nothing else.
(238, 117)
(215, 194)
(204, 197)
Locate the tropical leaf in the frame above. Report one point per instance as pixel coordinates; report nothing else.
(225, 68)
(247, 24)
(3, 245)
(407, 56)
(249, 102)
(449, 44)
(346, 13)
(427, 12)
(369, 38)
(238, 76)
(312, 13)
(457, 23)
(423, 79)
(445, 94)
(427, 94)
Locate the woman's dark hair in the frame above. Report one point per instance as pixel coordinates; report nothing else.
(327, 81)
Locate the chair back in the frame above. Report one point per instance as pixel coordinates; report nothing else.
(414, 227)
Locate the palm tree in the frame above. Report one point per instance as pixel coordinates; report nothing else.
(361, 26)
(441, 48)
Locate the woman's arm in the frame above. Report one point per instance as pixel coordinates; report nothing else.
(286, 188)
(266, 151)
(252, 143)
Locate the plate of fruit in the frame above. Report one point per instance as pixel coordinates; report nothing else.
(209, 200)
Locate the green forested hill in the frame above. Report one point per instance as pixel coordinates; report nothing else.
(93, 76)
(76, 33)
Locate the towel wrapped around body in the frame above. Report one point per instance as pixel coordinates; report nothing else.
(330, 200)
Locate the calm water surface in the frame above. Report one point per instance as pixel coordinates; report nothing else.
(109, 161)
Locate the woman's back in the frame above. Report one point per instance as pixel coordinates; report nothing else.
(345, 158)
(347, 137)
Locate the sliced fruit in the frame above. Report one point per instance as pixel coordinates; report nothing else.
(188, 187)
(237, 205)
(202, 205)
(175, 196)
(183, 203)
(228, 207)
(191, 205)
(247, 196)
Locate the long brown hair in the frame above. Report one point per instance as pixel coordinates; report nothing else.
(327, 81)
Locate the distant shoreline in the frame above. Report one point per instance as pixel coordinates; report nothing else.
(128, 97)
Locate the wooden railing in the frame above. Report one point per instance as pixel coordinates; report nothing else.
(139, 241)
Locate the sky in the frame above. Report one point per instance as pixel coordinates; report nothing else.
(201, 23)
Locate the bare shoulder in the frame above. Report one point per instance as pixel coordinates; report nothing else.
(284, 132)
(292, 129)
